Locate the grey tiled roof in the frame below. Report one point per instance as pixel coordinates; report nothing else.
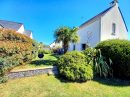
(10, 24)
(27, 32)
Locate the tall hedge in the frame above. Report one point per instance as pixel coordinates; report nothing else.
(15, 49)
(119, 52)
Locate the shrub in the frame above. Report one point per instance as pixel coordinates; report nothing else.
(100, 65)
(119, 52)
(35, 49)
(7, 63)
(3, 79)
(11, 35)
(15, 49)
(74, 67)
(47, 51)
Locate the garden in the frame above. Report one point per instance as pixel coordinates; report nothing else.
(103, 71)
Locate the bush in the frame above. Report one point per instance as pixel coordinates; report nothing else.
(58, 50)
(15, 49)
(73, 66)
(41, 52)
(7, 63)
(3, 79)
(47, 51)
(99, 63)
(11, 35)
(119, 52)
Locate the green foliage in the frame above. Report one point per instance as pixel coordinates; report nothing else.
(74, 67)
(15, 49)
(90, 54)
(41, 51)
(3, 79)
(56, 49)
(47, 51)
(35, 49)
(7, 63)
(66, 35)
(100, 65)
(119, 52)
(11, 35)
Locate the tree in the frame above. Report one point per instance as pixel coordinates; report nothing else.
(66, 35)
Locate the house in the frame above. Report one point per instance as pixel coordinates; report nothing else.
(18, 27)
(108, 24)
(56, 45)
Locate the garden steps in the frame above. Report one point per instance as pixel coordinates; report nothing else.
(32, 72)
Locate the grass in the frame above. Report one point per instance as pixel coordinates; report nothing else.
(48, 60)
(50, 86)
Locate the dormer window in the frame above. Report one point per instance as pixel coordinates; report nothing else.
(113, 29)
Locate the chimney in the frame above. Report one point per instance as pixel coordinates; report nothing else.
(113, 3)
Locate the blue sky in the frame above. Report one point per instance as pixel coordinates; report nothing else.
(44, 16)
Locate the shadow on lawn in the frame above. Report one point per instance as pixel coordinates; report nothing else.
(55, 55)
(64, 80)
(109, 82)
(43, 62)
(113, 82)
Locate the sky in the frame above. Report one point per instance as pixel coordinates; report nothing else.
(42, 17)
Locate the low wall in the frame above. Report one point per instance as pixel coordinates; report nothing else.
(32, 72)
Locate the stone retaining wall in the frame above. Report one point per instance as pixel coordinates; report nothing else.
(33, 72)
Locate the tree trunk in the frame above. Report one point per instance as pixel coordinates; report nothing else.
(65, 47)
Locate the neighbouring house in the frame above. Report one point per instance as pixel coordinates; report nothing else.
(18, 27)
(109, 24)
(56, 45)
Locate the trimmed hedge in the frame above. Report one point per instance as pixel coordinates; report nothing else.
(73, 66)
(11, 35)
(15, 49)
(119, 52)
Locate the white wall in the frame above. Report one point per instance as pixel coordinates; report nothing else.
(113, 16)
(31, 36)
(94, 28)
(102, 29)
(21, 30)
(55, 45)
(1, 27)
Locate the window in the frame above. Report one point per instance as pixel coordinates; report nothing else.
(83, 46)
(74, 47)
(113, 29)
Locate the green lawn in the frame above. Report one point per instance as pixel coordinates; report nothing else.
(48, 60)
(49, 86)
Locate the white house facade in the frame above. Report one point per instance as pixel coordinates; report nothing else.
(56, 45)
(109, 24)
(18, 27)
